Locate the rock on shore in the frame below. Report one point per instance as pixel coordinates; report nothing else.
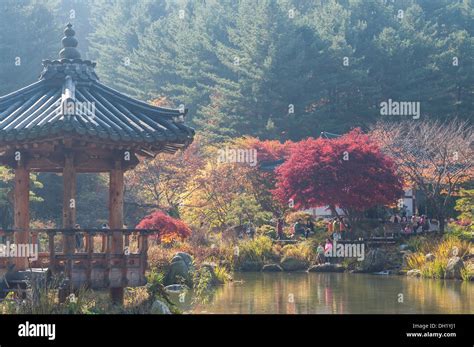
(326, 268)
(293, 264)
(272, 268)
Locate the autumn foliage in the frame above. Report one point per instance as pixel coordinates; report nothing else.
(162, 183)
(349, 172)
(262, 178)
(268, 150)
(169, 228)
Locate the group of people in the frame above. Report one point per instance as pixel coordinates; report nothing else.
(337, 227)
(304, 229)
(322, 250)
(298, 228)
(415, 224)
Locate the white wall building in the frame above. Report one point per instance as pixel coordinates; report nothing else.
(408, 200)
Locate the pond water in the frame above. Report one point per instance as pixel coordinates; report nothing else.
(293, 293)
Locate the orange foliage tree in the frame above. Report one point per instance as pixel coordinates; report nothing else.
(162, 182)
(229, 191)
(213, 192)
(262, 177)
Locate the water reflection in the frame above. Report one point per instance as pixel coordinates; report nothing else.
(301, 293)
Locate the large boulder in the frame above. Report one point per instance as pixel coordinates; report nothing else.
(187, 258)
(176, 288)
(180, 270)
(453, 268)
(374, 261)
(272, 268)
(414, 273)
(293, 264)
(326, 268)
(249, 265)
(159, 307)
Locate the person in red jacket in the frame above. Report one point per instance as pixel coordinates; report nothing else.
(330, 226)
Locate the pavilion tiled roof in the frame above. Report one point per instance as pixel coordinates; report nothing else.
(70, 100)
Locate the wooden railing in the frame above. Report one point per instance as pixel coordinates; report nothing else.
(85, 255)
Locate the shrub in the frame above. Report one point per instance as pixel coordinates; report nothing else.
(202, 289)
(159, 257)
(463, 227)
(459, 231)
(449, 244)
(416, 261)
(169, 228)
(255, 250)
(222, 274)
(466, 275)
(267, 230)
(302, 250)
(415, 243)
(434, 269)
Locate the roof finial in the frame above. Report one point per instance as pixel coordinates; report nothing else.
(69, 43)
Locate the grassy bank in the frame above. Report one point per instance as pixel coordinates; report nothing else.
(45, 300)
(431, 256)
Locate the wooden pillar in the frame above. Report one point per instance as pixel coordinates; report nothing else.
(69, 210)
(89, 250)
(52, 252)
(69, 193)
(116, 189)
(22, 212)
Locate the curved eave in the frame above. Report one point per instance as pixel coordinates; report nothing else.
(22, 93)
(33, 113)
(164, 111)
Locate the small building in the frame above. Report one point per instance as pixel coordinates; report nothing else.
(409, 202)
(324, 212)
(69, 122)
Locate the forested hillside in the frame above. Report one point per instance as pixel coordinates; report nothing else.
(275, 69)
(286, 69)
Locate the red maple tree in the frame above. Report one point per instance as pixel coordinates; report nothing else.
(169, 228)
(349, 172)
